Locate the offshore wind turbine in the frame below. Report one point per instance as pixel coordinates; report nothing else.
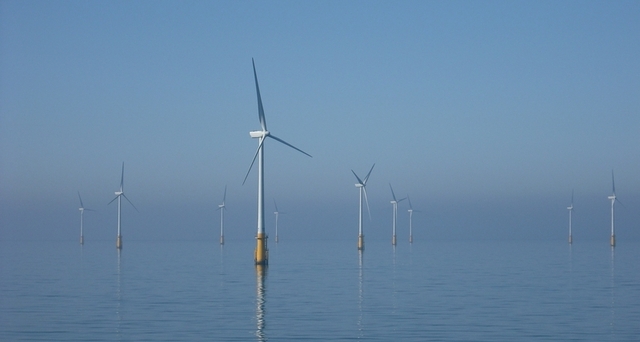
(570, 208)
(411, 219)
(222, 208)
(119, 195)
(277, 213)
(613, 199)
(361, 185)
(82, 209)
(394, 205)
(261, 253)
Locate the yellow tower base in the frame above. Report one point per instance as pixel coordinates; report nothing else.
(119, 242)
(361, 242)
(613, 240)
(261, 253)
(222, 239)
(82, 240)
(570, 239)
(393, 240)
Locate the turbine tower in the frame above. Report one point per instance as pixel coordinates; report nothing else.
(222, 208)
(361, 185)
(411, 219)
(82, 209)
(120, 194)
(613, 201)
(394, 204)
(570, 208)
(261, 253)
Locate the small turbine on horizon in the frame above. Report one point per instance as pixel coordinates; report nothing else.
(120, 194)
(570, 208)
(82, 209)
(411, 211)
(261, 253)
(394, 205)
(361, 185)
(222, 208)
(277, 213)
(613, 199)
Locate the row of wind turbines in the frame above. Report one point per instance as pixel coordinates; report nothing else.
(613, 200)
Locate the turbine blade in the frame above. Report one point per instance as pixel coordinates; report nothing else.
(88, 209)
(286, 143)
(358, 178)
(263, 121)
(81, 205)
(613, 183)
(253, 161)
(368, 174)
(134, 207)
(122, 177)
(225, 194)
(402, 199)
(622, 204)
(275, 204)
(410, 206)
(113, 200)
(571, 197)
(367, 201)
(392, 193)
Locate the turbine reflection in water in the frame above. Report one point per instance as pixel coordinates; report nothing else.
(360, 295)
(118, 299)
(261, 274)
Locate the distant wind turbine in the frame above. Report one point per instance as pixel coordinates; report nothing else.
(222, 208)
(120, 194)
(261, 253)
(394, 204)
(82, 209)
(613, 199)
(361, 185)
(277, 213)
(570, 208)
(411, 211)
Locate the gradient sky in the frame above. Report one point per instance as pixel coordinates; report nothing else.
(487, 114)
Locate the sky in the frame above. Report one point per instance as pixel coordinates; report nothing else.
(487, 114)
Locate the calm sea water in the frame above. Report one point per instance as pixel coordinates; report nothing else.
(320, 290)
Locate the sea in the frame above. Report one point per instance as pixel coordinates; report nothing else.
(320, 291)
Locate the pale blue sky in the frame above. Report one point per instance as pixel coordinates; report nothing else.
(486, 113)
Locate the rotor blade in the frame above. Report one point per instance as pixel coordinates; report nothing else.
(402, 199)
(368, 174)
(622, 204)
(367, 201)
(572, 197)
(358, 178)
(122, 177)
(225, 194)
(392, 193)
(263, 121)
(81, 205)
(613, 183)
(286, 143)
(410, 206)
(88, 209)
(274, 203)
(134, 207)
(253, 161)
(113, 200)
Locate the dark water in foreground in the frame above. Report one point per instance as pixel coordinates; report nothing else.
(321, 290)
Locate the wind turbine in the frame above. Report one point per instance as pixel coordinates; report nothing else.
(570, 208)
(613, 201)
(82, 209)
(261, 253)
(361, 185)
(394, 204)
(411, 219)
(222, 208)
(277, 213)
(120, 194)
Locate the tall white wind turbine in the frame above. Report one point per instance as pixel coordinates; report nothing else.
(119, 195)
(411, 211)
(394, 204)
(222, 208)
(570, 208)
(613, 199)
(361, 185)
(82, 209)
(261, 254)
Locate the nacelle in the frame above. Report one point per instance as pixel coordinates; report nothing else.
(258, 134)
